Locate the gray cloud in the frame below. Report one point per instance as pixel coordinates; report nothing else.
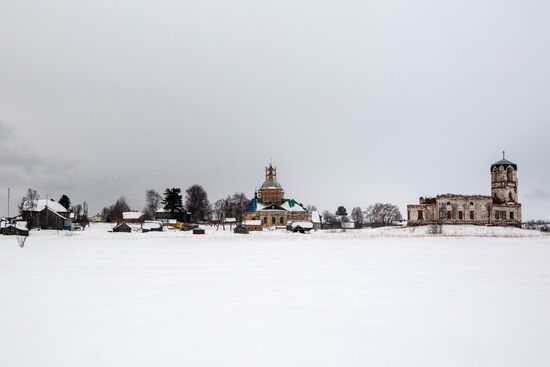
(539, 194)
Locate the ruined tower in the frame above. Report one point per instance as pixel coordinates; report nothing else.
(504, 181)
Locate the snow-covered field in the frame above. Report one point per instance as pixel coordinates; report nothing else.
(387, 297)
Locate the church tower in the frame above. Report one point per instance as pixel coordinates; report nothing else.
(271, 190)
(504, 181)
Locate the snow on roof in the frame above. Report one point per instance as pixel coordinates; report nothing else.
(55, 213)
(252, 222)
(292, 205)
(230, 220)
(315, 217)
(151, 224)
(43, 203)
(303, 224)
(132, 215)
(21, 224)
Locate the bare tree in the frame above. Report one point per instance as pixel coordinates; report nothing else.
(152, 203)
(21, 240)
(329, 217)
(379, 214)
(114, 212)
(28, 204)
(77, 210)
(231, 207)
(29, 201)
(196, 203)
(238, 205)
(311, 208)
(357, 216)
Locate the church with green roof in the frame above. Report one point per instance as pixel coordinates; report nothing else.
(270, 208)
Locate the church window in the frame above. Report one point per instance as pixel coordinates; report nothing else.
(448, 215)
(511, 215)
(460, 215)
(282, 220)
(471, 215)
(265, 220)
(511, 196)
(272, 220)
(510, 174)
(420, 215)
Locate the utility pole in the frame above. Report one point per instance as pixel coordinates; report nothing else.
(8, 202)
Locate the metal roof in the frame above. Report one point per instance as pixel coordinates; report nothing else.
(271, 183)
(504, 162)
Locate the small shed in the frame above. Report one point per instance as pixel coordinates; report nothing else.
(316, 219)
(198, 231)
(240, 229)
(98, 218)
(253, 224)
(17, 229)
(122, 227)
(300, 226)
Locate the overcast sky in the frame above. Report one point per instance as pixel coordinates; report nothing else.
(356, 102)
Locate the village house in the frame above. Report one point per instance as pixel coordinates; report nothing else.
(47, 214)
(270, 207)
(501, 208)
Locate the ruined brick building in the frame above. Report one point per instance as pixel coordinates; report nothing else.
(270, 206)
(500, 209)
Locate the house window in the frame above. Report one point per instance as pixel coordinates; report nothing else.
(282, 220)
(448, 215)
(272, 220)
(511, 215)
(471, 215)
(420, 215)
(460, 215)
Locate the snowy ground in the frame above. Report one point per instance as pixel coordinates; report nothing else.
(360, 298)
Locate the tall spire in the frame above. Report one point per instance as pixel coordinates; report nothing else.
(503, 154)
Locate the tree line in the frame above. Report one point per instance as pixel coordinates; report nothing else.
(196, 205)
(376, 215)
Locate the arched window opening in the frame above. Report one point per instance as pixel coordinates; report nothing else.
(510, 174)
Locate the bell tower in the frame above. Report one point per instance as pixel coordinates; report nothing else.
(504, 181)
(270, 172)
(271, 191)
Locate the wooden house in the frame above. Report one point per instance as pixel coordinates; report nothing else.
(47, 214)
(253, 224)
(122, 227)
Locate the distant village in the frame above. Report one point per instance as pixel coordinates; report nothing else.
(269, 208)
